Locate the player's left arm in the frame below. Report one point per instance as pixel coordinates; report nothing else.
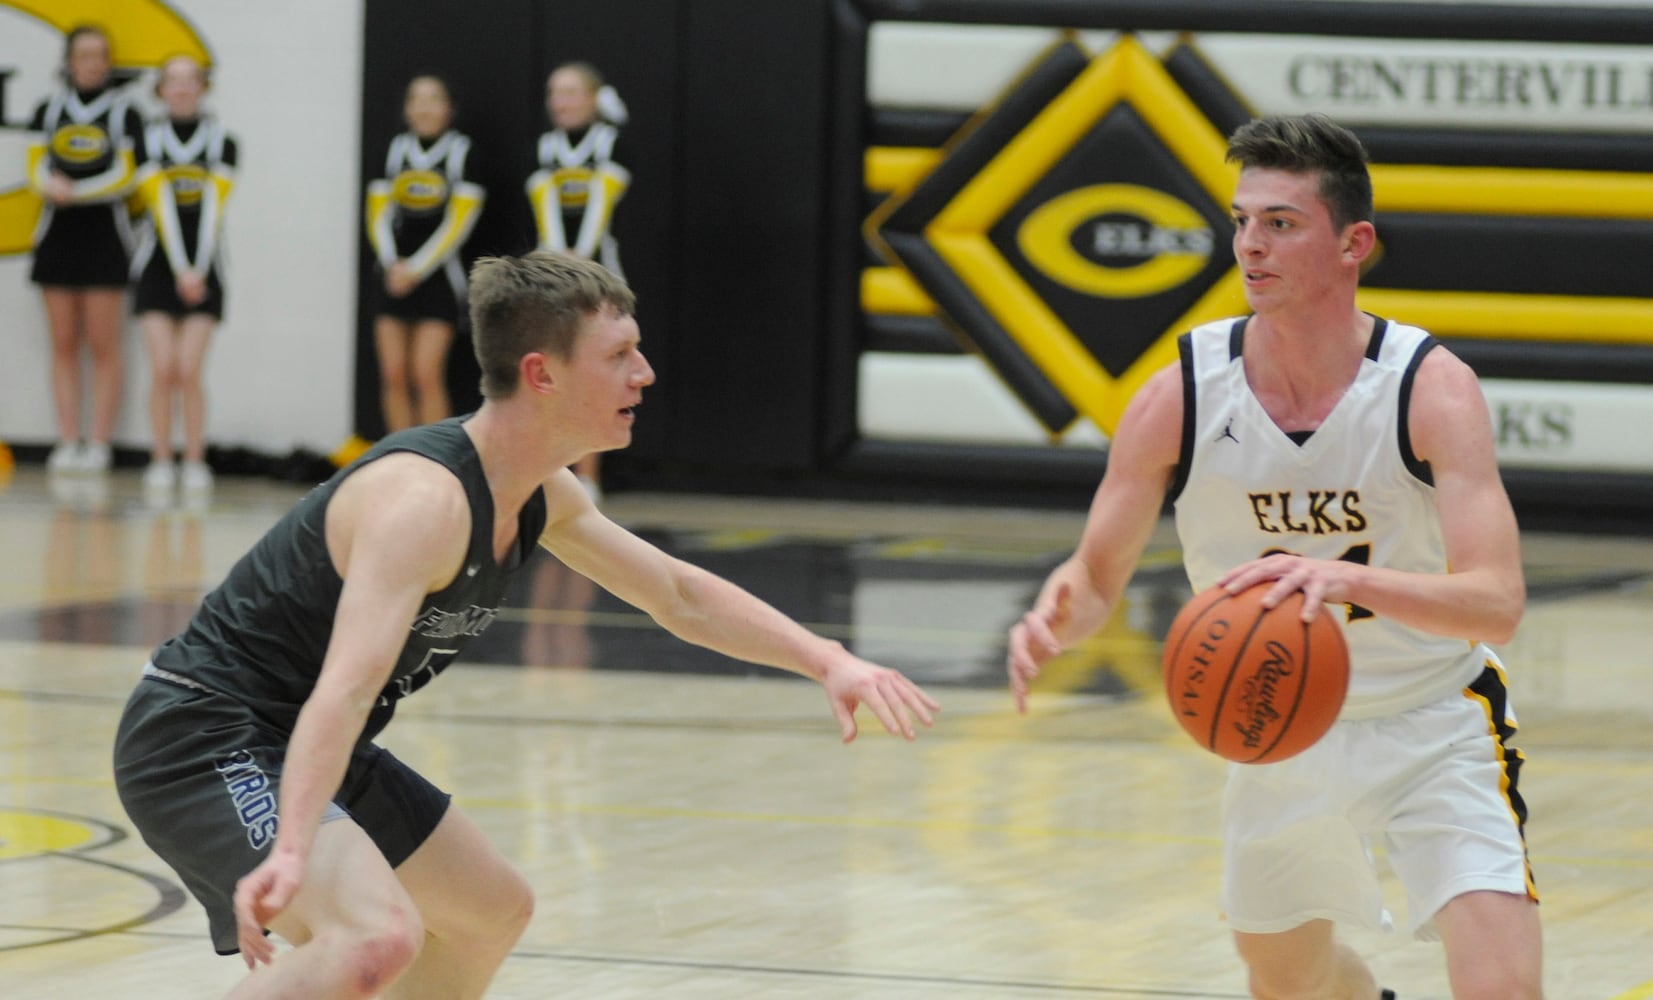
(707, 610)
(214, 194)
(608, 183)
(1482, 594)
(464, 207)
(458, 219)
(1484, 591)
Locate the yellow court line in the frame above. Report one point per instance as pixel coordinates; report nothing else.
(862, 822)
(1642, 992)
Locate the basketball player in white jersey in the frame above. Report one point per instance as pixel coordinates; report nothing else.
(1351, 458)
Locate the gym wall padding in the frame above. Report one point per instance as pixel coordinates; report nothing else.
(745, 232)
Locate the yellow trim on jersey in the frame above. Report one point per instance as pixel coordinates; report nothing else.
(542, 194)
(378, 222)
(464, 206)
(155, 192)
(37, 169)
(111, 185)
(220, 182)
(223, 181)
(603, 193)
(1504, 752)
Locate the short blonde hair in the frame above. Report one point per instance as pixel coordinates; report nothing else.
(536, 302)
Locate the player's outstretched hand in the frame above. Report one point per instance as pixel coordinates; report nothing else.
(1033, 641)
(851, 682)
(260, 896)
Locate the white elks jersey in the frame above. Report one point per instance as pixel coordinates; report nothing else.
(1354, 490)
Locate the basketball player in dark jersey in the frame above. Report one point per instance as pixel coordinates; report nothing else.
(246, 757)
(419, 216)
(180, 292)
(580, 180)
(82, 162)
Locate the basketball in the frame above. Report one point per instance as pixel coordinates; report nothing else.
(1254, 686)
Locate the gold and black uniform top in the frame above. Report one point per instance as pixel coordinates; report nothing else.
(427, 203)
(579, 182)
(90, 136)
(187, 177)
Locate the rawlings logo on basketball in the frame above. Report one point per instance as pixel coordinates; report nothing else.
(1256, 702)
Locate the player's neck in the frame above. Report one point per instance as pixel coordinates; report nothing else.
(518, 451)
(1298, 371)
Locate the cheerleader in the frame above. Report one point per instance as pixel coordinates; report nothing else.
(185, 181)
(82, 159)
(419, 216)
(580, 181)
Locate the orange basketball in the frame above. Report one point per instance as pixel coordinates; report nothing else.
(1251, 685)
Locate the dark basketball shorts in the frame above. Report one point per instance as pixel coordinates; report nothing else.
(201, 781)
(82, 247)
(157, 291)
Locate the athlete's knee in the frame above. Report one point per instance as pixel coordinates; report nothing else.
(375, 956)
(393, 376)
(164, 376)
(1277, 974)
(429, 381)
(516, 905)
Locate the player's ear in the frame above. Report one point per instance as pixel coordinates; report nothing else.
(1359, 240)
(536, 372)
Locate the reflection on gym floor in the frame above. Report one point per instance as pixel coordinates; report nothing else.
(691, 824)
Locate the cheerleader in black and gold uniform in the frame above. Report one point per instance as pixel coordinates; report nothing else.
(418, 218)
(81, 162)
(185, 182)
(580, 180)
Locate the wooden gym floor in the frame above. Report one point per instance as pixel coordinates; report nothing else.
(694, 829)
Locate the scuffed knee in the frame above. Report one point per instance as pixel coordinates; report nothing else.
(377, 958)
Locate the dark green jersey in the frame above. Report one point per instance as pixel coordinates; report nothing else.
(261, 635)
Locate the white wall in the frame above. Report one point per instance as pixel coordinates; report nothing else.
(280, 373)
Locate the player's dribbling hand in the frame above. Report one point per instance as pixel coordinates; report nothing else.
(851, 681)
(260, 896)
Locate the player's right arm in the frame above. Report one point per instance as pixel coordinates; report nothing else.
(397, 530)
(1080, 593)
(546, 202)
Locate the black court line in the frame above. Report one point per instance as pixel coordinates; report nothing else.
(973, 982)
(171, 899)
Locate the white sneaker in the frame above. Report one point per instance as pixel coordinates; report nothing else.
(196, 477)
(65, 458)
(95, 457)
(159, 478)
